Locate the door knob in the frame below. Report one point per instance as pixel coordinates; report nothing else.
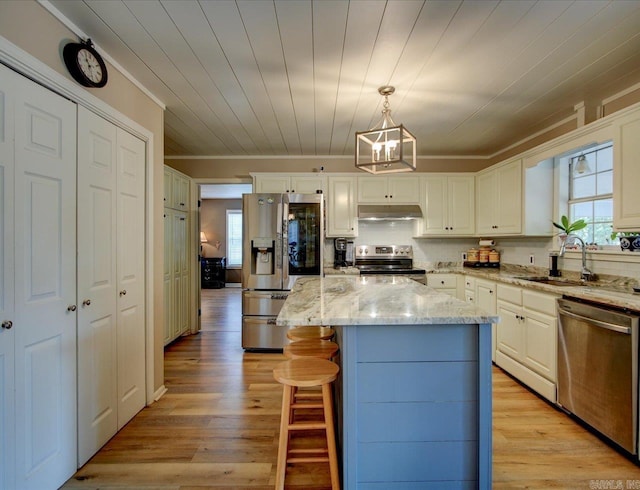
(7, 324)
(123, 292)
(86, 302)
(71, 308)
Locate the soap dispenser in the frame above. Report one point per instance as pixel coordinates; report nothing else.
(553, 264)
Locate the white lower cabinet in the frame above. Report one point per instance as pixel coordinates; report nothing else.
(526, 337)
(447, 283)
(485, 296)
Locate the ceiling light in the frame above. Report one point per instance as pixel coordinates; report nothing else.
(386, 148)
(582, 165)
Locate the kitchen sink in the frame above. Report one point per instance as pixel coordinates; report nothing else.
(553, 282)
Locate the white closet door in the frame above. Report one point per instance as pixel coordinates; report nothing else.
(130, 273)
(97, 285)
(45, 287)
(7, 313)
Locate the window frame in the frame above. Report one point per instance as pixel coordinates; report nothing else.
(231, 247)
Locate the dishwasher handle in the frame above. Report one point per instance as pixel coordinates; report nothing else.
(597, 323)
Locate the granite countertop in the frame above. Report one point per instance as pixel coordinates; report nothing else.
(374, 300)
(342, 271)
(609, 290)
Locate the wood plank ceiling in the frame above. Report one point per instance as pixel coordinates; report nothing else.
(299, 77)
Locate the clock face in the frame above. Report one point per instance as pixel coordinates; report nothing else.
(85, 64)
(89, 65)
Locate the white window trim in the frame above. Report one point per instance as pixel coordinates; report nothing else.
(230, 265)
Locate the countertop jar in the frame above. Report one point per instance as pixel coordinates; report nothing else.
(472, 255)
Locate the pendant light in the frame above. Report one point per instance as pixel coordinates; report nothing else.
(387, 148)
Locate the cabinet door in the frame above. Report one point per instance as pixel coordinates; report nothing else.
(307, 185)
(486, 299)
(435, 217)
(168, 276)
(404, 190)
(168, 186)
(271, 183)
(341, 207)
(510, 330)
(461, 205)
(540, 344)
(180, 192)
(626, 173)
(97, 285)
(180, 272)
(372, 190)
(509, 205)
(486, 203)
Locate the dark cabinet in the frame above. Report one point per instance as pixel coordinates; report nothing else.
(212, 269)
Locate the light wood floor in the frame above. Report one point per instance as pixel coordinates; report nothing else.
(216, 428)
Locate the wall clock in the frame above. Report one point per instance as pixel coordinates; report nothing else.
(85, 65)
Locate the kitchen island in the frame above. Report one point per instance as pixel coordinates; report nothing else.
(414, 396)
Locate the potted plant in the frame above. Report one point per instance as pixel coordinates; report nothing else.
(629, 240)
(568, 228)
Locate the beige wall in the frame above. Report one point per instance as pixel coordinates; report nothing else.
(32, 28)
(213, 221)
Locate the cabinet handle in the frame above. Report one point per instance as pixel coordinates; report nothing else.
(181, 204)
(86, 302)
(123, 292)
(71, 308)
(386, 196)
(490, 291)
(293, 190)
(7, 324)
(442, 282)
(182, 219)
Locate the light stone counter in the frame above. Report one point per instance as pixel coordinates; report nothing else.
(374, 300)
(608, 290)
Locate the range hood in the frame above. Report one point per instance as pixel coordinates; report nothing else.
(389, 211)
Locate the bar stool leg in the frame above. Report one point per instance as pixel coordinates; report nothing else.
(331, 436)
(283, 445)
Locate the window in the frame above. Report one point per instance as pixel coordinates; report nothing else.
(234, 238)
(591, 193)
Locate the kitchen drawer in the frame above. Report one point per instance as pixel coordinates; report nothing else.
(510, 294)
(442, 281)
(542, 302)
(470, 283)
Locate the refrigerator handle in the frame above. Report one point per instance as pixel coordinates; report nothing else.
(279, 240)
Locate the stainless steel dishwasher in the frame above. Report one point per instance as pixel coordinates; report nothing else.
(598, 369)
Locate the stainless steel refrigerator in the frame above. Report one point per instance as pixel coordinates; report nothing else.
(283, 239)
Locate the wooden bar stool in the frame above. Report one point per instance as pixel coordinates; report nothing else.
(306, 333)
(322, 349)
(306, 372)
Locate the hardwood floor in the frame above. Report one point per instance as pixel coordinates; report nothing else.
(216, 427)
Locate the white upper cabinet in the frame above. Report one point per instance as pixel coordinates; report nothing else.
(176, 189)
(626, 173)
(389, 190)
(499, 203)
(448, 205)
(311, 183)
(341, 207)
(512, 200)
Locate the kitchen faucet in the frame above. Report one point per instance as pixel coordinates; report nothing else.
(585, 274)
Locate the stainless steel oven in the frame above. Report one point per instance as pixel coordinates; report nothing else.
(598, 369)
(388, 259)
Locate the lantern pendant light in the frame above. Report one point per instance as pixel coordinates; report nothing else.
(387, 148)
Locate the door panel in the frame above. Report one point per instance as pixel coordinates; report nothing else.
(130, 274)
(7, 312)
(97, 400)
(45, 286)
